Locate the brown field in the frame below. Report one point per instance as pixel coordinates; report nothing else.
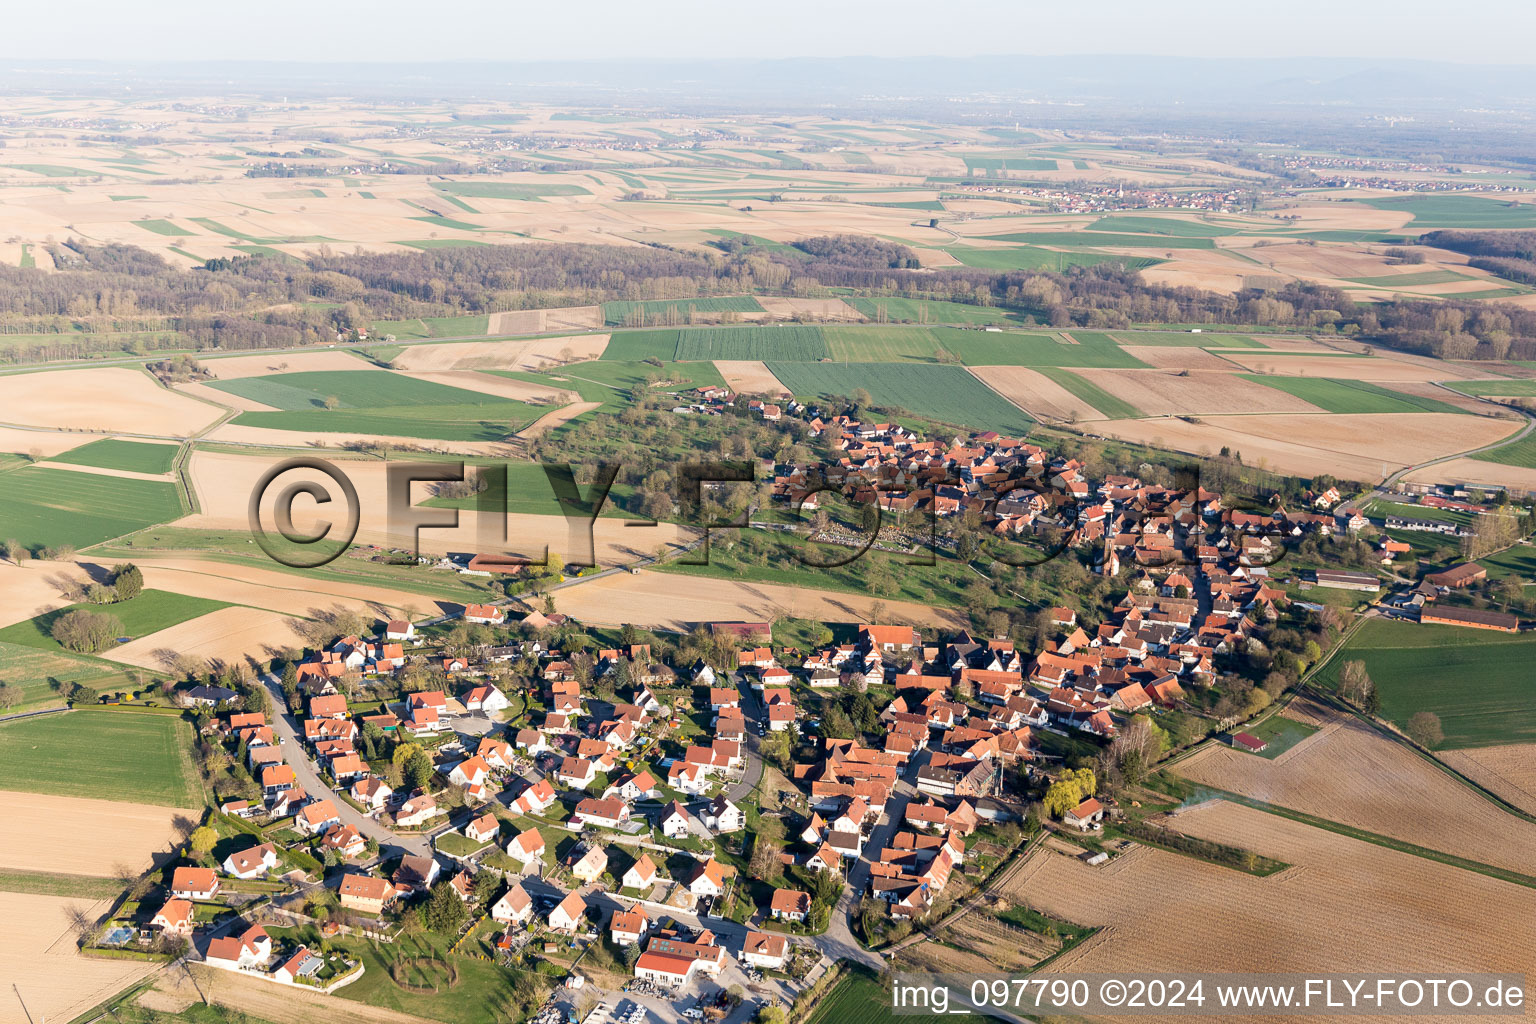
(77, 836)
(1373, 368)
(1356, 777)
(501, 355)
(224, 398)
(1353, 446)
(501, 387)
(1174, 357)
(32, 588)
(229, 636)
(1508, 771)
(541, 321)
(1165, 393)
(1344, 906)
(672, 601)
(985, 946)
(44, 442)
(38, 951)
(273, 590)
(224, 484)
(1036, 393)
(1475, 471)
(749, 376)
(1426, 389)
(935, 258)
(557, 417)
(287, 1004)
(102, 399)
(819, 309)
(275, 437)
(237, 367)
(126, 474)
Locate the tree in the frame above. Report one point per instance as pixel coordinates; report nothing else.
(202, 840)
(86, 632)
(128, 580)
(12, 550)
(1136, 748)
(1425, 730)
(418, 770)
(444, 911)
(1355, 683)
(331, 402)
(1074, 786)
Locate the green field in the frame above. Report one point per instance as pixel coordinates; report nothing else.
(41, 506)
(926, 311)
(1183, 339)
(610, 382)
(1478, 682)
(793, 342)
(36, 671)
(1516, 453)
(131, 456)
(1458, 211)
(434, 326)
(942, 393)
(151, 611)
(507, 190)
(106, 755)
(1349, 396)
(161, 227)
(857, 998)
(442, 243)
(632, 346)
(1009, 348)
(1405, 280)
(618, 314)
(881, 343)
(1280, 733)
(1078, 239)
(1393, 508)
(447, 222)
(1111, 406)
(1030, 257)
(379, 403)
(975, 162)
(1176, 226)
(1519, 560)
(1501, 388)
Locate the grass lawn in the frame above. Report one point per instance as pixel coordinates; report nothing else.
(41, 506)
(1349, 396)
(42, 883)
(108, 755)
(1478, 682)
(1383, 507)
(1111, 406)
(369, 402)
(1519, 560)
(857, 998)
(943, 393)
(1280, 733)
(152, 610)
(132, 456)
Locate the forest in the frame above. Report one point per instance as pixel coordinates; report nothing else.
(253, 302)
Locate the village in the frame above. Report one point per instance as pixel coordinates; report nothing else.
(720, 820)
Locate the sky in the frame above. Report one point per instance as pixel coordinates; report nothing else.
(1469, 31)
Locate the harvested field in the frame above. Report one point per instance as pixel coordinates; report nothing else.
(1477, 471)
(105, 471)
(557, 418)
(1426, 389)
(103, 399)
(223, 398)
(37, 948)
(1355, 447)
(501, 355)
(1508, 771)
(44, 442)
(1344, 906)
(1173, 357)
(1036, 393)
(669, 601)
(270, 589)
(1353, 775)
(501, 387)
(978, 943)
(1374, 368)
(824, 309)
(540, 321)
(229, 636)
(748, 376)
(79, 836)
(224, 484)
(1165, 393)
(32, 588)
(236, 367)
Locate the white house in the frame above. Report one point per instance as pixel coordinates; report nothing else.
(514, 907)
(641, 875)
(764, 950)
(526, 847)
(724, 816)
(253, 862)
(674, 820)
(194, 883)
(570, 913)
(486, 699)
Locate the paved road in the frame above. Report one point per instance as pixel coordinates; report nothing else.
(287, 728)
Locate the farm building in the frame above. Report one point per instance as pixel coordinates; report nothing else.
(1338, 579)
(1471, 617)
(1458, 576)
(1249, 742)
